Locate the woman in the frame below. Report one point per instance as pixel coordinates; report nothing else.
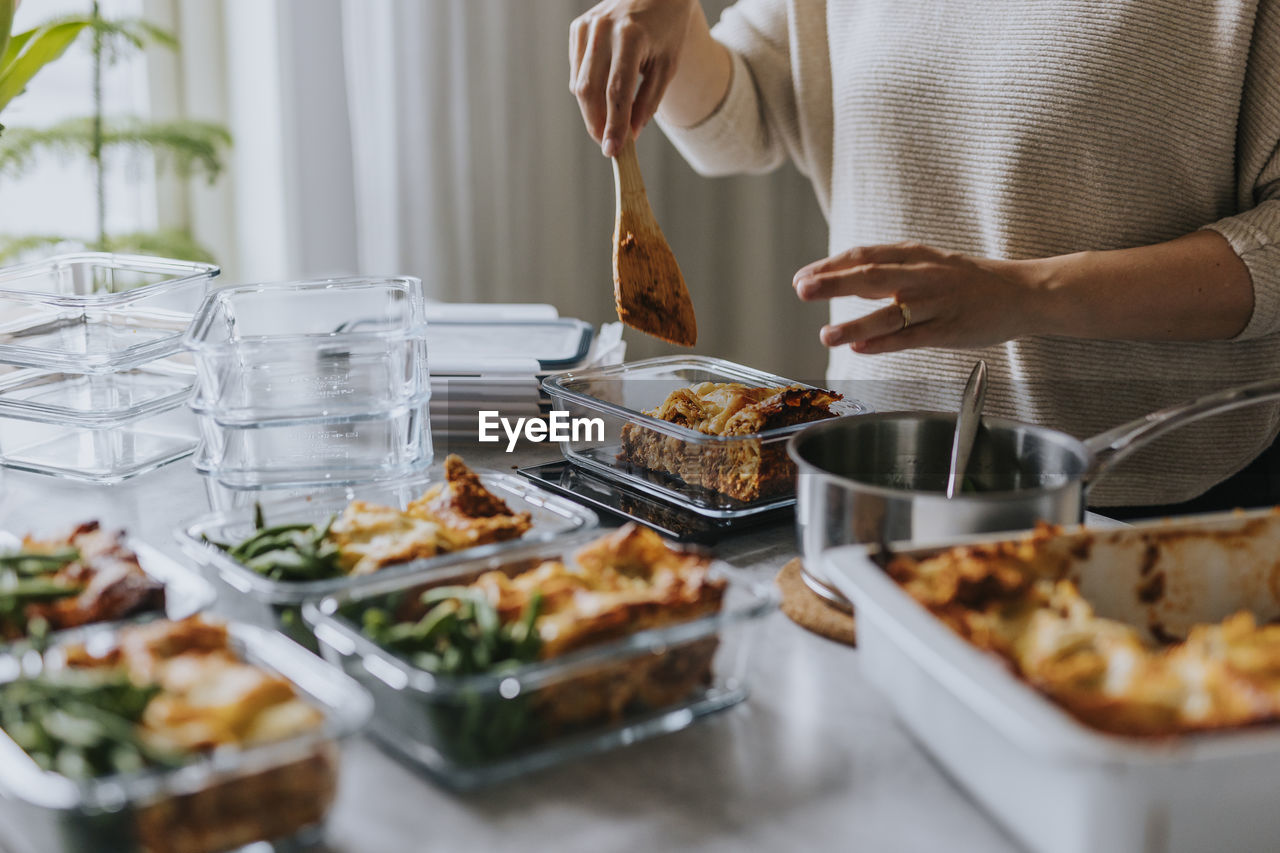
(1090, 191)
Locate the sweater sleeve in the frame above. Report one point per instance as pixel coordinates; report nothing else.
(779, 53)
(1254, 232)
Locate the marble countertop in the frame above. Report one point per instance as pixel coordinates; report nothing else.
(814, 759)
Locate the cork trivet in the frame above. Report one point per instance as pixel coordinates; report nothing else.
(809, 610)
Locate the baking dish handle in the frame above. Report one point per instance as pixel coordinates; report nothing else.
(1109, 448)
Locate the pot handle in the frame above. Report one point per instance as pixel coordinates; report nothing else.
(1110, 447)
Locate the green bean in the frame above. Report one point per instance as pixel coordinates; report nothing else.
(38, 563)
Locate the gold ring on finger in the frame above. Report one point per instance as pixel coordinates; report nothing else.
(906, 314)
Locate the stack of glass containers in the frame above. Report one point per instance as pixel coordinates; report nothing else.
(92, 377)
(305, 384)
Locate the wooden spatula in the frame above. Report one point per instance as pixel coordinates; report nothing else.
(647, 285)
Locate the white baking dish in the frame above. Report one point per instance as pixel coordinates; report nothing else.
(1056, 784)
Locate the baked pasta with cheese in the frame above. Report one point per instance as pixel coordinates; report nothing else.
(163, 695)
(623, 583)
(88, 576)
(1014, 599)
(745, 470)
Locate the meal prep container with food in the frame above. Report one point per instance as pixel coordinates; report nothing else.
(619, 395)
(254, 598)
(228, 793)
(307, 350)
(1058, 785)
(882, 477)
(476, 730)
(97, 312)
(186, 593)
(100, 450)
(291, 454)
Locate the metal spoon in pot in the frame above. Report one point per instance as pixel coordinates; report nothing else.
(967, 423)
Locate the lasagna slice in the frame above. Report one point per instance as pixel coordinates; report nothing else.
(745, 470)
(1014, 600)
(623, 583)
(456, 514)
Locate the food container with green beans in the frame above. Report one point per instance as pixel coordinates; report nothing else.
(470, 699)
(24, 579)
(72, 777)
(277, 556)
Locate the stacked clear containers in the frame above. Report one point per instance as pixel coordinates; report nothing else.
(312, 383)
(92, 379)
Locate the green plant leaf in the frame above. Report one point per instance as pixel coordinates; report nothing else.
(6, 24)
(13, 249)
(193, 147)
(38, 49)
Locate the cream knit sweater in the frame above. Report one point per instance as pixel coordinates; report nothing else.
(1022, 129)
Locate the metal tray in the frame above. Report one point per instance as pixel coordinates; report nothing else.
(44, 812)
(459, 729)
(1057, 785)
(618, 499)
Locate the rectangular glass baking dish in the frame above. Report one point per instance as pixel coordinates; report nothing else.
(186, 593)
(251, 597)
(311, 349)
(279, 791)
(476, 730)
(89, 399)
(316, 452)
(619, 395)
(99, 451)
(1058, 785)
(96, 312)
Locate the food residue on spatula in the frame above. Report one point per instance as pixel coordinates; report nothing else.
(649, 290)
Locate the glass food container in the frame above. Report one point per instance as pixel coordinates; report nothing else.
(315, 452)
(475, 730)
(99, 448)
(278, 791)
(251, 597)
(186, 593)
(97, 312)
(619, 396)
(88, 398)
(306, 350)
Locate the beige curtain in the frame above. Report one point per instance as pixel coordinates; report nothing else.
(472, 169)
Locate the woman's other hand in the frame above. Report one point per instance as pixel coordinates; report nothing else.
(1193, 288)
(626, 55)
(950, 300)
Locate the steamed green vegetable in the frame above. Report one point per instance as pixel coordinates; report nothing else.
(288, 552)
(82, 724)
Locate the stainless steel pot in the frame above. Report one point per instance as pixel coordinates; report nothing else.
(882, 477)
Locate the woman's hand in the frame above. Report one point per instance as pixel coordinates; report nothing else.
(950, 300)
(1193, 288)
(626, 55)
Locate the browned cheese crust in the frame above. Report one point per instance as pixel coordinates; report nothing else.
(450, 516)
(745, 470)
(623, 583)
(1013, 599)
